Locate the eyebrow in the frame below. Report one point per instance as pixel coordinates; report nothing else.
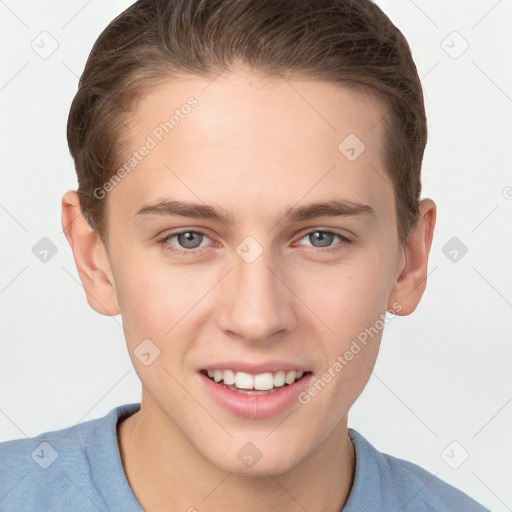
(329, 208)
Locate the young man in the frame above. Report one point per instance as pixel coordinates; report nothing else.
(249, 202)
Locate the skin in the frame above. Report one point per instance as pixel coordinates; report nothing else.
(255, 147)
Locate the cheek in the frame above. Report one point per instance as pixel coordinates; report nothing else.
(351, 303)
(156, 303)
(156, 298)
(349, 298)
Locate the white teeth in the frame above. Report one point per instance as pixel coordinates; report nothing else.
(263, 381)
(260, 382)
(228, 377)
(244, 380)
(279, 379)
(290, 377)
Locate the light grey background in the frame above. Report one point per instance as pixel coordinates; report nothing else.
(441, 389)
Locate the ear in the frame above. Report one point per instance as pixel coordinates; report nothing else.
(411, 275)
(91, 257)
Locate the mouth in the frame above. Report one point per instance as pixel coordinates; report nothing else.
(254, 384)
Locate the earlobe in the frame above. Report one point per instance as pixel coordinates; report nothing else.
(90, 256)
(411, 278)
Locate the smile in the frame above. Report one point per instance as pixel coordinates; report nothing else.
(247, 383)
(255, 396)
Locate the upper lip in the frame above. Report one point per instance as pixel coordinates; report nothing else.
(255, 369)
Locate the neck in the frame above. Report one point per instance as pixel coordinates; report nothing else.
(187, 481)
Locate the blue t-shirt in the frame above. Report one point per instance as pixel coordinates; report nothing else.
(79, 468)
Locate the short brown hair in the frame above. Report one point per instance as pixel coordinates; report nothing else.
(349, 42)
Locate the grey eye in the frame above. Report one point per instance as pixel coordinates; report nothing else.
(323, 237)
(189, 239)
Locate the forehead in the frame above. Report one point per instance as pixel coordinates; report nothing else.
(250, 138)
(238, 104)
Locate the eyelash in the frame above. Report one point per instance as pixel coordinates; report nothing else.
(196, 252)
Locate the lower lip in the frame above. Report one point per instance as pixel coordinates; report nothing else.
(256, 406)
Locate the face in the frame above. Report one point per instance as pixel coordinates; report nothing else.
(220, 261)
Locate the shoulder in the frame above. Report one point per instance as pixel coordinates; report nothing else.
(57, 470)
(403, 485)
(44, 469)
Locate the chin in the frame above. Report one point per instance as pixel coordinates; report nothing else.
(248, 460)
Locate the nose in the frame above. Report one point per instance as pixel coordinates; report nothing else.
(257, 303)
